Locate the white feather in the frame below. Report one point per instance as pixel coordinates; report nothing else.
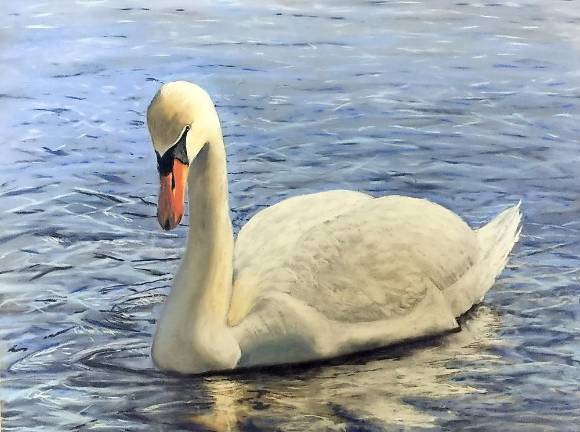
(314, 276)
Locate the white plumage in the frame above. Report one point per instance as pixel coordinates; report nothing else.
(314, 276)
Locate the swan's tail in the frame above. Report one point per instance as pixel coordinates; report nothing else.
(496, 240)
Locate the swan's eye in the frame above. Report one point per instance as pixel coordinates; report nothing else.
(178, 151)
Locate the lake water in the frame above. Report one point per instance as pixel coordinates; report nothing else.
(472, 104)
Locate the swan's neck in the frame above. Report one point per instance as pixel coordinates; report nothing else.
(204, 279)
(193, 327)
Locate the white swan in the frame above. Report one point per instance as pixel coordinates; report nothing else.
(312, 277)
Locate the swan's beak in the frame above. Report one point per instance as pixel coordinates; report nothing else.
(172, 195)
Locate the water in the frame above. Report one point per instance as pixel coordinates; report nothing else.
(471, 104)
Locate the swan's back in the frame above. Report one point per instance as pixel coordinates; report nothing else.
(371, 273)
(376, 262)
(355, 258)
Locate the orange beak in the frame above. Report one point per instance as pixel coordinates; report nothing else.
(172, 195)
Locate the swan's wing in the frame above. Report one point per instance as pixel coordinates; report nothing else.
(379, 261)
(276, 227)
(267, 240)
(369, 277)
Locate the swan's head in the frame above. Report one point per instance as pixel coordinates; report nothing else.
(178, 119)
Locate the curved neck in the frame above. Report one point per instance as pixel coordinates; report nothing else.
(204, 279)
(192, 335)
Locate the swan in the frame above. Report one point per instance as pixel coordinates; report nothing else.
(312, 277)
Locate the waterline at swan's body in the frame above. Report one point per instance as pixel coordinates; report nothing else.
(313, 277)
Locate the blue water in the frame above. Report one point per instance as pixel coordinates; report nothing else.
(472, 104)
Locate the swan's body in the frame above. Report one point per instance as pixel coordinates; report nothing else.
(314, 276)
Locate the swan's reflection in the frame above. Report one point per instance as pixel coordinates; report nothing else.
(228, 408)
(369, 389)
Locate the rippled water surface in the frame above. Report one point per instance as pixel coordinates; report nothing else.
(473, 104)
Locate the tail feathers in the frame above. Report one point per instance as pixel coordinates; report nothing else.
(496, 240)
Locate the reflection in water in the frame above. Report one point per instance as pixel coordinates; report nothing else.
(376, 389)
(229, 408)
